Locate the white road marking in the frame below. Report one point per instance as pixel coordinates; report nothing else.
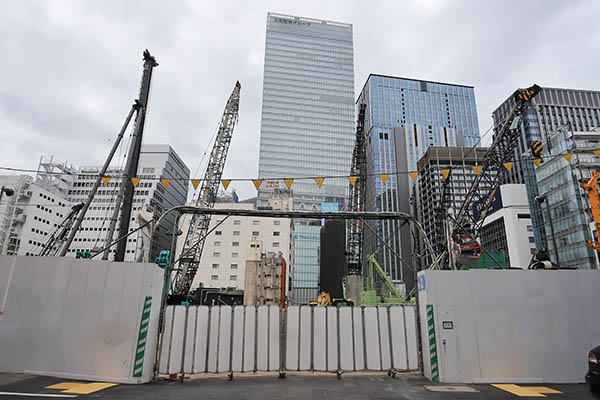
(35, 394)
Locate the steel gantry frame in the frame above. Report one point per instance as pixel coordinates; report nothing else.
(194, 241)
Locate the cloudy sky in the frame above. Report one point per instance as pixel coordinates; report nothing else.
(70, 69)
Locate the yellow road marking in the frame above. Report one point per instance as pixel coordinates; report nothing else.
(519, 391)
(88, 388)
(544, 390)
(65, 385)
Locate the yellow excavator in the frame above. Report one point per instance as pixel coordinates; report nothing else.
(324, 299)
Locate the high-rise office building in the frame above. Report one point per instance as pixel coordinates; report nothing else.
(566, 207)
(307, 126)
(156, 162)
(548, 110)
(403, 118)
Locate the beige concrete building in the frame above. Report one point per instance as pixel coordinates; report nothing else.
(228, 247)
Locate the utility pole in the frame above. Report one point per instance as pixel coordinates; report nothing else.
(126, 190)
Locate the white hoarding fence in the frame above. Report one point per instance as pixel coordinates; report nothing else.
(528, 326)
(201, 339)
(79, 319)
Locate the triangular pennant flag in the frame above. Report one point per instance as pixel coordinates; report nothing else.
(195, 183)
(165, 182)
(445, 173)
(568, 156)
(477, 169)
(537, 162)
(384, 178)
(352, 179)
(288, 182)
(596, 152)
(257, 183)
(414, 175)
(135, 181)
(225, 183)
(319, 181)
(508, 166)
(105, 180)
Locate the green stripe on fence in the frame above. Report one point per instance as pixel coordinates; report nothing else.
(433, 359)
(138, 364)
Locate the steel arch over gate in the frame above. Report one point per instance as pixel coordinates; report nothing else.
(199, 339)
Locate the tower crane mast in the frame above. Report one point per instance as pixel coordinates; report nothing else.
(198, 229)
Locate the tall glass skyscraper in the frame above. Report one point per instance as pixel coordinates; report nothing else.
(404, 117)
(307, 127)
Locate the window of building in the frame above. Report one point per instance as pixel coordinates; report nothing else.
(217, 244)
(214, 277)
(216, 254)
(234, 266)
(237, 222)
(276, 233)
(276, 222)
(218, 233)
(215, 266)
(233, 277)
(236, 233)
(531, 239)
(529, 228)
(235, 255)
(255, 233)
(235, 244)
(275, 244)
(256, 222)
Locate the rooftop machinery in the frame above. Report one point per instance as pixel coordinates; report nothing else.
(194, 242)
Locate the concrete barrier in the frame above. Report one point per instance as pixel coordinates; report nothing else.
(80, 319)
(494, 326)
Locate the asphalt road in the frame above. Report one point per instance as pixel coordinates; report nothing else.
(350, 387)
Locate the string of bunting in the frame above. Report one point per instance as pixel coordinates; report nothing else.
(414, 175)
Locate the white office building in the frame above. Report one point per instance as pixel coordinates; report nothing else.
(508, 226)
(227, 248)
(156, 162)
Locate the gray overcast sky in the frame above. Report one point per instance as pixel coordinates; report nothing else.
(70, 69)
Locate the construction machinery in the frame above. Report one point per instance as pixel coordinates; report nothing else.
(591, 187)
(358, 187)
(463, 228)
(58, 237)
(368, 296)
(198, 229)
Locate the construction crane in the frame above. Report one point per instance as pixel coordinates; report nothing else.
(198, 229)
(59, 235)
(591, 187)
(465, 226)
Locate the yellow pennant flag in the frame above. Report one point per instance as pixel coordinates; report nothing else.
(568, 157)
(384, 178)
(195, 183)
(225, 183)
(257, 183)
(165, 182)
(445, 173)
(135, 181)
(414, 175)
(596, 152)
(508, 166)
(319, 181)
(537, 162)
(288, 182)
(105, 180)
(477, 169)
(352, 179)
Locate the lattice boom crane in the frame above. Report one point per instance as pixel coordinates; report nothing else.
(196, 234)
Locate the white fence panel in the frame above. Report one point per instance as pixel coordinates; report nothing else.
(246, 338)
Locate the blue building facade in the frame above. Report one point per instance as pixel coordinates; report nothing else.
(404, 117)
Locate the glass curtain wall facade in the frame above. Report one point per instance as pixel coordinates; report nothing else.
(404, 117)
(307, 126)
(551, 109)
(568, 205)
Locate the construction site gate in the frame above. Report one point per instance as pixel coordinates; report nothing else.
(213, 339)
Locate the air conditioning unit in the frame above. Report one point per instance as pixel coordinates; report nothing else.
(20, 219)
